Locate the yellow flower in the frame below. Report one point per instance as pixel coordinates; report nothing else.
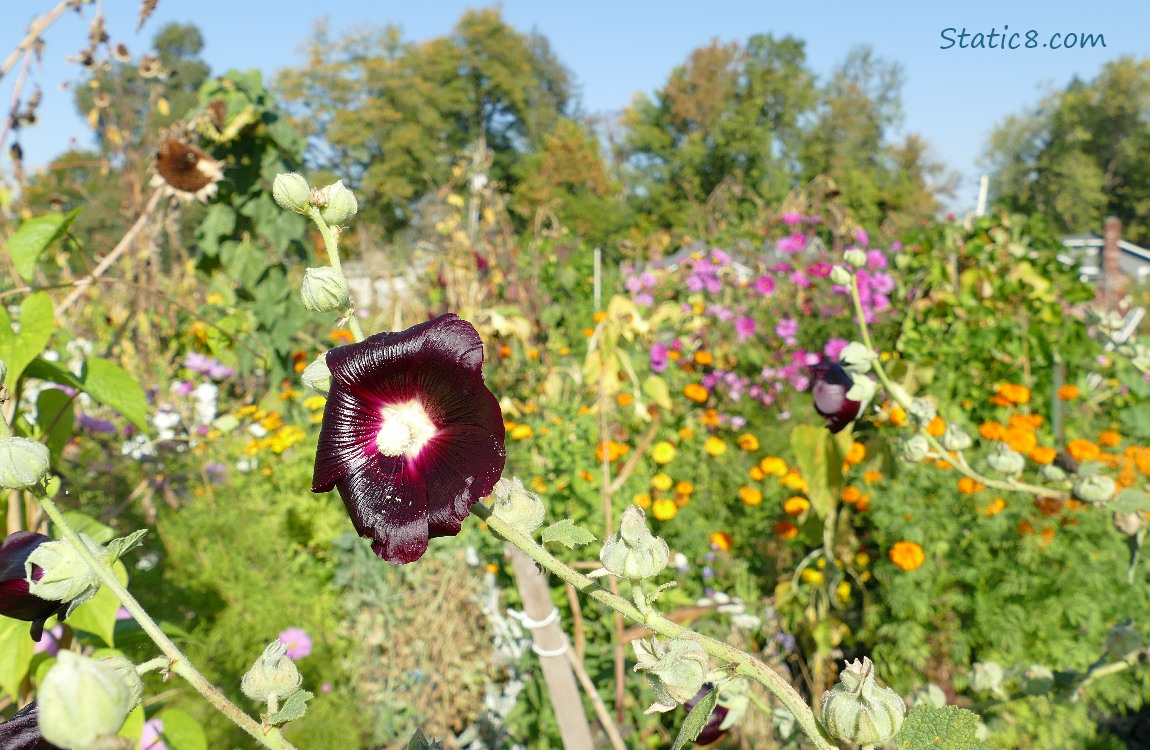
(288, 394)
(714, 446)
(272, 421)
(898, 416)
(757, 474)
(907, 555)
(663, 452)
(843, 592)
(695, 392)
(794, 481)
(773, 465)
(664, 509)
(684, 488)
(686, 433)
(721, 540)
(997, 505)
(662, 482)
(314, 403)
(642, 499)
(521, 432)
(748, 442)
(813, 577)
(862, 559)
(796, 506)
(750, 495)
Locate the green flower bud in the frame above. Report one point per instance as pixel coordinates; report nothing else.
(857, 357)
(928, 695)
(273, 673)
(337, 204)
(1128, 523)
(633, 552)
(127, 671)
(316, 376)
(24, 463)
(83, 703)
(1037, 680)
(675, 669)
(855, 257)
(987, 676)
(1005, 460)
(862, 391)
(1097, 488)
(1052, 473)
(324, 289)
(922, 411)
(291, 192)
(516, 505)
(67, 577)
(840, 275)
(858, 709)
(955, 438)
(1122, 640)
(915, 449)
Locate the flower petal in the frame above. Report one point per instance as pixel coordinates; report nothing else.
(387, 501)
(461, 466)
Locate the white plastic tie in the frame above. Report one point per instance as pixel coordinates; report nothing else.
(528, 622)
(545, 653)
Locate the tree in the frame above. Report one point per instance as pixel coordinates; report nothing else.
(1080, 154)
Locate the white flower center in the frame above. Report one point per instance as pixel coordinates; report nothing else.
(406, 429)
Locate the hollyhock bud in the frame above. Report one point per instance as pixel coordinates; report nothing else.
(955, 438)
(317, 376)
(337, 204)
(516, 505)
(915, 448)
(324, 289)
(858, 709)
(987, 676)
(1052, 473)
(633, 552)
(16, 601)
(1005, 460)
(922, 411)
(291, 192)
(855, 257)
(1038, 679)
(1096, 488)
(857, 357)
(67, 577)
(273, 673)
(675, 670)
(840, 275)
(83, 702)
(24, 463)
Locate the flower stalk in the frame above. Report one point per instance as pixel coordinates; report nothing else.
(331, 244)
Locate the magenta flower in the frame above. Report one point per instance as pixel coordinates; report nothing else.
(15, 599)
(792, 244)
(152, 736)
(791, 218)
(298, 642)
(22, 731)
(834, 348)
(831, 383)
(744, 327)
(658, 357)
(764, 285)
(411, 437)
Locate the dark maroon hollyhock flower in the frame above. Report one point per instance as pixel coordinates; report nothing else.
(411, 436)
(22, 731)
(15, 601)
(831, 383)
(711, 731)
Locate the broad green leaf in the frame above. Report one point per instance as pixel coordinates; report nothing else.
(84, 524)
(56, 418)
(133, 725)
(1131, 500)
(98, 615)
(37, 324)
(820, 464)
(1136, 421)
(293, 708)
(15, 654)
(947, 728)
(656, 389)
(181, 731)
(34, 237)
(696, 720)
(112, 386)
(567, 533)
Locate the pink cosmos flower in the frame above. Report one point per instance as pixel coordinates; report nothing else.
(298, 642)
(791, 218)
(834, 348)
(411, 437)
(764, 285)
(150, 738)
(792, 244)
(744, 327)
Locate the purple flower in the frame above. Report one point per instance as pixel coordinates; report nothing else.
(862, 237)
(22, 731)
(791, 218)
(217, 371)
(711, 730)
(94, 425)
(298, 642)
(15, 599)
(197, 361)
(831, 383)
(875, 260)
(411, 437)
(151, 738)
(834, 348)
(123, 614)
(786, 328)
(744, 327)
(658, 357)
(764, 285)
(799, 279)
(183, 387)
(50, 642)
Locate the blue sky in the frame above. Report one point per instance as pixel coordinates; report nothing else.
(951, 97)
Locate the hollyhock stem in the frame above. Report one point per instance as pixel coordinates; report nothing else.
(176, 660)
(958, 461)
(331, 244)
(744, 664)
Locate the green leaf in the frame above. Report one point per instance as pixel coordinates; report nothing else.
(696, 720)
(84, 524)
(293, 708)
(1136, 421)
(98, 615)
(119, 547)
(1131, 500)
(181, 731)
(15, 654)
(34, 237)
(37, 324)
(567, 533)
(112, 386)
(947, 728)
(821, 466)
(56, 418)
(656, 389)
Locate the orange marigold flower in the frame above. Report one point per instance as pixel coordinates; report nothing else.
(796, 506)
(673, 355)
(863, 505)
(794, 481)
(850, 494)
(856, 454)
(748, 442)
(907, 555)
(600, 316)
(715, 446)
(1015, 394)
(686, 433)
(773, 465)
(1083, 450)
(999, 400)
(786, 529)
(684, 487)
(968, 486)
(703, 357)
(695, 392)
(1020, 439)
(936, 427)
(944, 465)
(997, 505)
(870, 477)
(757, 474)
(505, 351)
(991, 431)
(750, 495)
(624, 399)
(898, 416)
(710, 417)
(342, 336)
(1042, 455)
(721, 540)
(1068, 392)
(1109, 438)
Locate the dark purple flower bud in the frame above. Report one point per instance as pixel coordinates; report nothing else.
(831, 383)
(22, 731)
(411, 437)
(15, 600)
(711, 730)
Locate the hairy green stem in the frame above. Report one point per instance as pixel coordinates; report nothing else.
(178, 663)
(744, 664)
(331, 244)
